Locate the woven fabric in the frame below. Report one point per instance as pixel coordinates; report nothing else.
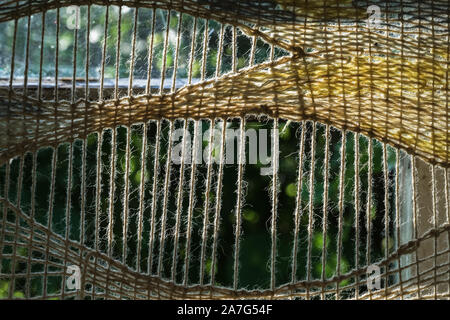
(386, 83)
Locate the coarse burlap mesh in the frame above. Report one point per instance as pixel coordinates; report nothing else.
(354, 95)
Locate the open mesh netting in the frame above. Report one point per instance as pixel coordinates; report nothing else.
(115, 157)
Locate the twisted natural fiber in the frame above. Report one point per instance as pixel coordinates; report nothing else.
(417, 122)
(122, 281)
(388, 85)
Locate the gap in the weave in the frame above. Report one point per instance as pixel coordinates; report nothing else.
(256, 212)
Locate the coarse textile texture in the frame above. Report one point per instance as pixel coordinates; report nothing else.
(386, 80)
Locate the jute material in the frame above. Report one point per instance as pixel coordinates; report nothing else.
(389, 83)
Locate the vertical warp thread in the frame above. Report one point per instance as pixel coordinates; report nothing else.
(125, 213)
(5, 207)
(169, 157)
(34, 166)
(30, 242)
(220, 52)
(49, 223)
(12, 283)
(275, 187)
(41, 61)
(154, 198)
(68, 209)
(126, 195)
(74, 61)
(193, 169)
(133, 52)
(298, 199)
(85, 141)
(191, 205)
(325, 206)
(357, 208)
(447, 213)
(179, 201)
(141, 197)
(341, 209)
(164, 59)
(207, 200)
(434, 219)
(112, 178)
(234, 50)
(239, 203)
(167, 181)
(102, 68)
(369, 206)
(98, 190)
(218, 203)
(54, 156)
(398, 216)
(150, 54)
(157, 146)
(27, 61)
(415, 220)
(88, 31)
(311, 208)
(386, 218)
(220, 170)
(119, 34)
(208, 174)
